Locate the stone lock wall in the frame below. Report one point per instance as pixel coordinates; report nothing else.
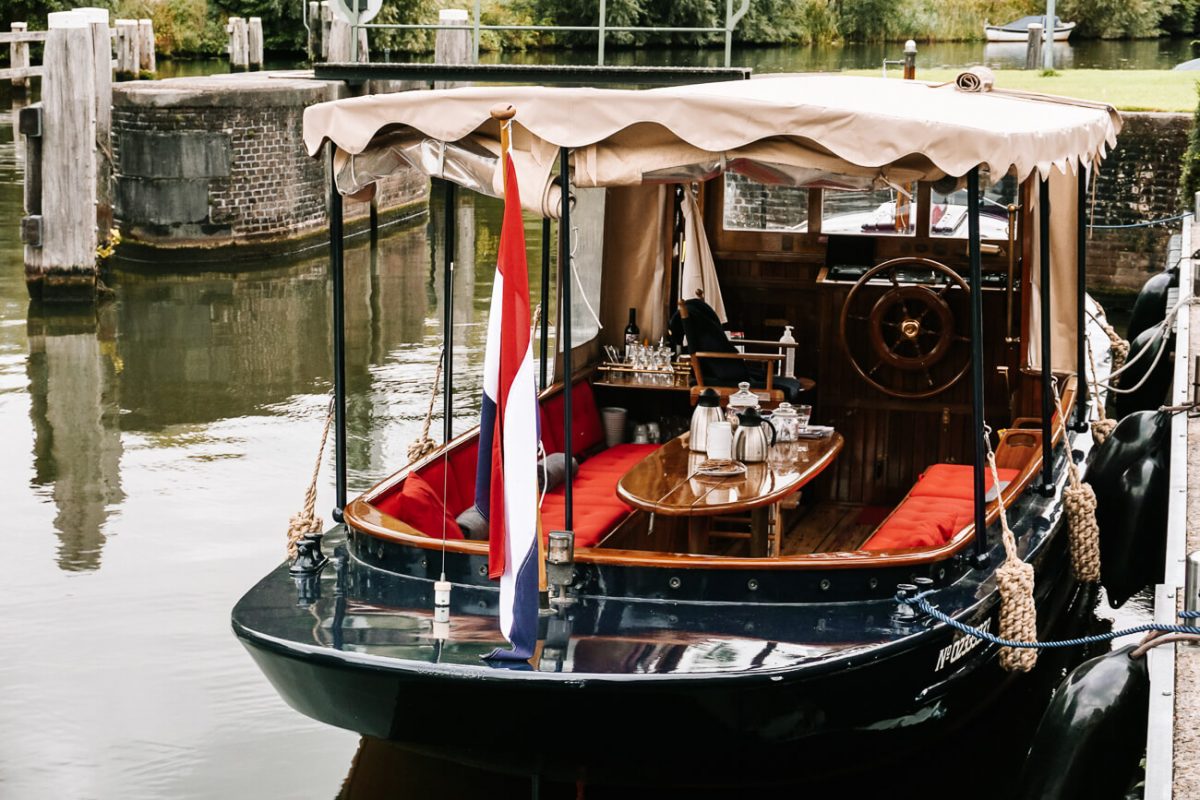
(1139, 180)
(218, 162)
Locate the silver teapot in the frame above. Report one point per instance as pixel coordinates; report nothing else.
(750, 443)
(708, 411)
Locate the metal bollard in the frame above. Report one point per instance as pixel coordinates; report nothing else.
(1191, 588)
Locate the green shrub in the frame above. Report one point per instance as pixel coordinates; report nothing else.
(1189, 172)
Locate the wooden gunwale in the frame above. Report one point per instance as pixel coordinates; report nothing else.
(364, 517)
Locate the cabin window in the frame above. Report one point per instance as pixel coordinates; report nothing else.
(587, 248)
(948, 211)
(888, 212)
(753, 206)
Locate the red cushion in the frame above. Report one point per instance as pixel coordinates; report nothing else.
(922, 522)
(597, 510)
(587, 430)
(955, 480)
(418, 505)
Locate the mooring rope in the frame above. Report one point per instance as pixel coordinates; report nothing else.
(1014, 578)
(423, 445)
(1145, 224)
(306, 520)
(1102, 426)
(1029, 644)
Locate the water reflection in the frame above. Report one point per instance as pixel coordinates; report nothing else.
(73, 370)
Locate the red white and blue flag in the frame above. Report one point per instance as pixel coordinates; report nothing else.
(506, 490)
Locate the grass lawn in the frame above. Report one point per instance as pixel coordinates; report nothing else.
(1127, 89)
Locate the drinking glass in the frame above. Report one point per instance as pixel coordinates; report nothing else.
(803, 415)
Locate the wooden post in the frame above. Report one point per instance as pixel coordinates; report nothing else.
(239, 52)
(910, 60)
(102, 54)
(147, 63)
(254, 40)
(338, 49)
(452, 43)
(363, 53)
(326, 29)
(1033, 47)
(129, 54)
(63, 267)
(18, 56)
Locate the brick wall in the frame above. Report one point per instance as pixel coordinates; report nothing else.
(1138, 181)
(218, 161)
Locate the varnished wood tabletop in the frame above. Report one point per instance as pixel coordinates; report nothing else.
(665, 482)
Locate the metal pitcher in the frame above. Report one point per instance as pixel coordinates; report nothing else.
(750, 443)
(708, 411)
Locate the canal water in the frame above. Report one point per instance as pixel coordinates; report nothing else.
(154, 448)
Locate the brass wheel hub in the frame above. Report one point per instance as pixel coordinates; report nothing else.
(910, 328)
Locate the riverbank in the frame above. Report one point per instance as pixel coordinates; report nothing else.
(1127, 90)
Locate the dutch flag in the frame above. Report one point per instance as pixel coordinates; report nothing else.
(506, 476)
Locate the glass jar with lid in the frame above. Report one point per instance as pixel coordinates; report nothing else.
(787, 422)
(739, 402)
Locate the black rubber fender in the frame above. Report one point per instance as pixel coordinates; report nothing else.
(1130, 475)
(1153, 393)
(1150, 307)
(1092, 734)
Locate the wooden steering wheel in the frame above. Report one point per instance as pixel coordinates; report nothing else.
(909, 330)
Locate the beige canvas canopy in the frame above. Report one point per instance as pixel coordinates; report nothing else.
(800, 130)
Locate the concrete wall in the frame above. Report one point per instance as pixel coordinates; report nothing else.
(219, 162)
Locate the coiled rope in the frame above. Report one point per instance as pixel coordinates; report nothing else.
(306, 520)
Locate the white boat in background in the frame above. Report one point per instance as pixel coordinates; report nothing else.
(1018, 30)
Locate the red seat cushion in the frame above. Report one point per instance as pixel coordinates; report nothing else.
(922, 522)
(418, 505)
(587, 431)
(956, 481)
(597, 510)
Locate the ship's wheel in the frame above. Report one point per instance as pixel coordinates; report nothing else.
(907, 343)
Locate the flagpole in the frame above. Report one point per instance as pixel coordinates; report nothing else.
(504, 113)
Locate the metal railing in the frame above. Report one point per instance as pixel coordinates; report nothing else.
(602, 28)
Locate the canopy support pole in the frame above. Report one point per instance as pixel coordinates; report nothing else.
(450, 243)
(544, 333)
(977, 421)
(1082, 391)
(1047, 487)
(564, 333)
(337, 267)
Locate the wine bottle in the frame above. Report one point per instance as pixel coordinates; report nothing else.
(631, 331)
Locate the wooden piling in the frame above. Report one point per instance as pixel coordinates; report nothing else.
(239, 46)
(129, 52)
(337, 51)
(326, 27)
(102, 49)
(452, 43)
(18, 57)
(254, 47)
(1033, 47)
(62, 266)
(147, 61)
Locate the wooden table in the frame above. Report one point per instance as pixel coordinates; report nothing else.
(665, 482)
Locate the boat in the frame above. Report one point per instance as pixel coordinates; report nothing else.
(1018, 30)
(765, 620)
